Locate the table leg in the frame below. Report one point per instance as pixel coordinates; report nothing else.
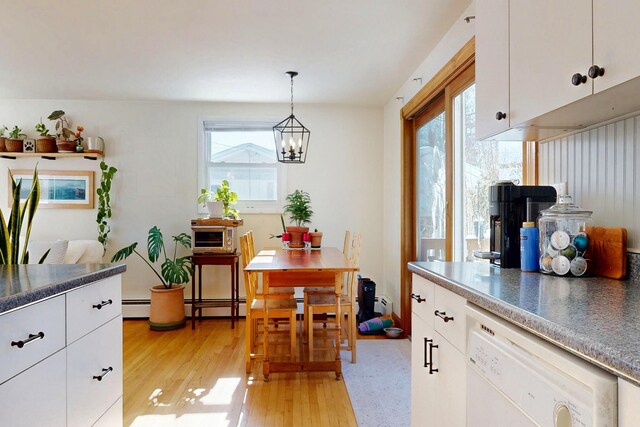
(339, 279)
(237, 302)
(265, 291)
(200, 292)
(233, 287)
(193, 301)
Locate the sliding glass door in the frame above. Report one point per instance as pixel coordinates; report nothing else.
(431, 182)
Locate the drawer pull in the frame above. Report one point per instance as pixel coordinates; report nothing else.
(417, 298)
(429, 364)
(102, 304)
(32, 338)
(105, 372)
(443, 315)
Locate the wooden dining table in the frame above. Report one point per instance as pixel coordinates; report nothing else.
(323, 267)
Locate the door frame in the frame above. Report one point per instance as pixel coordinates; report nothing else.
(461, 61)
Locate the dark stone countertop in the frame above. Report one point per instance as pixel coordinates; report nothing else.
(595, 318)
(24, 284)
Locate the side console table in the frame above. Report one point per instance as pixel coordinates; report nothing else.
(233, 261)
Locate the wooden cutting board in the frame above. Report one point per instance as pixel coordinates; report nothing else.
(607, 251)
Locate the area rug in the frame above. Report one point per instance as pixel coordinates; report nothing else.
(379, 384)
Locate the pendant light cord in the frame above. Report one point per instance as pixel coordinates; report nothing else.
(292, 95)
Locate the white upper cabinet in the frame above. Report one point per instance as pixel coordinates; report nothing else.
(492, 67)
(550, 43)
(616, 41)
(567, 65)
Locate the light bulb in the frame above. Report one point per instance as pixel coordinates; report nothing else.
(282, 139)
(291, 143)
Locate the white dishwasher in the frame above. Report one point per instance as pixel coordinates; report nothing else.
(517, 379)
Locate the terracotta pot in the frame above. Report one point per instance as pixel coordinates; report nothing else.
(316, 239)
(66, 146)
(296, 236)
(46, 144)
(167, 308)
(2, 147)
(13, 145)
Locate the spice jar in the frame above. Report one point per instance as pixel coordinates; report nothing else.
(563, 238)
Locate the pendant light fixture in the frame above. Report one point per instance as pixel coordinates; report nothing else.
(291, 137)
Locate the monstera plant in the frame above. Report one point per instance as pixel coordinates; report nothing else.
(10, 252)
(167, 299)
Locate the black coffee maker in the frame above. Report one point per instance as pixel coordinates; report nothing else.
(509, 206)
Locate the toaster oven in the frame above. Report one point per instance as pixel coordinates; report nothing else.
(213, 239)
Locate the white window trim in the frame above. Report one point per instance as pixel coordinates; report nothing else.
(244, 207)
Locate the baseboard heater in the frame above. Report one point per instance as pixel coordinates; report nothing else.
(139, 308)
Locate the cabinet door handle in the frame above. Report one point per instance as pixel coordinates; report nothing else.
(105, 372)
(431, 347)
(32, 338)
(102, 304)
(417, 298)
(426, 345)
(443, 315)
(500, 115)
(595, 71)
(577, 79)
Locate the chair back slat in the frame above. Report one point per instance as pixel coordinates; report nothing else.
(354, 257)
(252, 246)
(347, 241)
(249, 279)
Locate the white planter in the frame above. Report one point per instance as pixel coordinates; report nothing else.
(215, 209)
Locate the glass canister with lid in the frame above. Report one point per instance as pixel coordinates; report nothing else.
(563, 238)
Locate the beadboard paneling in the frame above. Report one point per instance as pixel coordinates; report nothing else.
(600, 167)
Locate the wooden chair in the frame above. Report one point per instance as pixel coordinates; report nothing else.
(287, 292)
(279, 308)
(318, 302)
(315, 290)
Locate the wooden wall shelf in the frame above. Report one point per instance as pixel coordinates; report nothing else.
(51, 156)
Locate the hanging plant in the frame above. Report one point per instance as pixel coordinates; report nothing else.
(104, 203)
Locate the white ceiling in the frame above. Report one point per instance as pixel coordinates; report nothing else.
(346, 51)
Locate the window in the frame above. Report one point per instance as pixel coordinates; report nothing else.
(481, 164)
(243, 154)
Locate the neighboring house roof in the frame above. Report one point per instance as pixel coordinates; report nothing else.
(245, 153)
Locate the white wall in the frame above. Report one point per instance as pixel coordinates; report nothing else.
(600, 167)
(451, 43)
(154, 146)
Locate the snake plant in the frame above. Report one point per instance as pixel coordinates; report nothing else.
(10, 231)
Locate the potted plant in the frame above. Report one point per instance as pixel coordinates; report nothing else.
(10, 251)
(66, 137)
(14, 142)
(299, 209)
(208, 200)
(222, 194)
(2, 138)
(316, 238)
(45, 143)
(167, 299)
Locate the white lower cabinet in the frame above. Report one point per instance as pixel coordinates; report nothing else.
(113, 417)
(94, 373)
(46, 380)
(628, 399)
(36, 397)
(438, 369)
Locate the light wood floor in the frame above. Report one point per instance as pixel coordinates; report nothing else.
(193, 378)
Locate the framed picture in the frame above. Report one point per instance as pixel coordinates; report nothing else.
(58, 189)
